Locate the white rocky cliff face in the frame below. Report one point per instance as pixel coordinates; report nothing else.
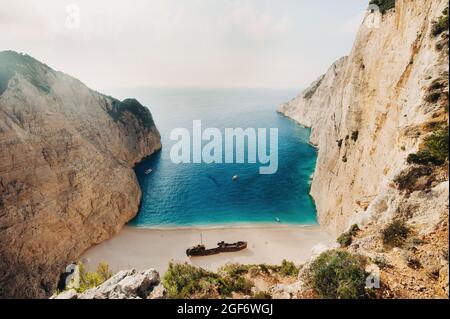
(126, 284)
(66, 171)
(369, 112)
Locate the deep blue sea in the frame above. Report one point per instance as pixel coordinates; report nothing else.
(204, 194)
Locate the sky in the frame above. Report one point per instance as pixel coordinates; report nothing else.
(183, 43)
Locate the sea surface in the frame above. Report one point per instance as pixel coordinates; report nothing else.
(186, 195)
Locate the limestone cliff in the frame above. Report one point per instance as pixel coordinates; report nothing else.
(380, 120)
(66, 171)
(371, 110)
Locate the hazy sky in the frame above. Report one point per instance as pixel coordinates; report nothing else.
(265, 43)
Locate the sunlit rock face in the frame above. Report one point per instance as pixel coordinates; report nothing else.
(368, 113)
(66, 171)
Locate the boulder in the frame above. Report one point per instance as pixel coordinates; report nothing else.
(127, 284)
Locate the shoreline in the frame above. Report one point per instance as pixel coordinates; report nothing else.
(225, 226)
(145, 248)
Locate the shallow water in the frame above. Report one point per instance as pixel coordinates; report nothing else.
(204, 194)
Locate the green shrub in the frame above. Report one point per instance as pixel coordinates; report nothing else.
(413, 263)
(437, 84)
(381, 262)
(395, 234)
(433, 97)
(242, 285)
(384, 5)
(103, 271)
(262, 295)
(338, 274)
(235, 270)
(184, 281)
(441, 24)
(268, 268)
(288, 269)
(407, 179)
(226, 285)
(264, 268)
(118, 111)
(422, 158)
(89, 280)
(346, 238)
(441, 45)
(354, 229)
(434, 151)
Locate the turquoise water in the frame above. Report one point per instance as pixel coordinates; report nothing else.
(204, 194)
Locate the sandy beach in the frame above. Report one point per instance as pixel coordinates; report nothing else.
(144, 248)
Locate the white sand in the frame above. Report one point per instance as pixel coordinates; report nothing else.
(142, 248)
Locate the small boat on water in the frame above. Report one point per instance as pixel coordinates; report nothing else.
(148, 172)
(278, 220)
(222, 247)
(235, 178)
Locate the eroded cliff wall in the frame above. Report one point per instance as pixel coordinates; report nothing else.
(370, 111)
(66, 171)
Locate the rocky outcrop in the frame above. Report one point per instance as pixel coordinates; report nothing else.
(126, 284)
(66, 171)
(370, 111)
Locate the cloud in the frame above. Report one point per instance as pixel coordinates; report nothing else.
(254, 23)
(183, 42)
